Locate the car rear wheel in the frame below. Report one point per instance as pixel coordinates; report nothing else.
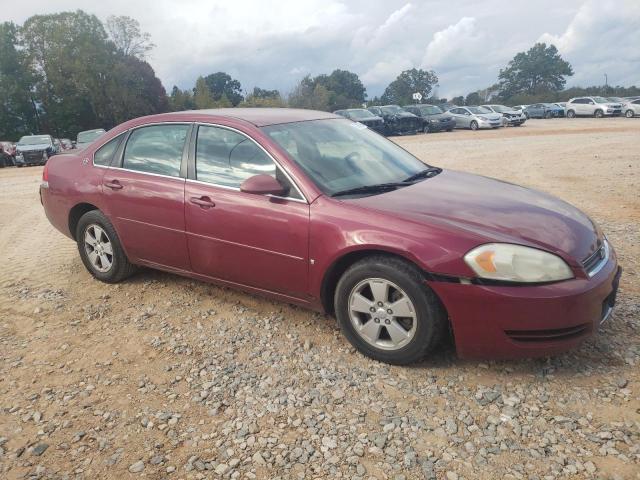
(473, 125)
(548, 115)
(629, 113)
(100, 248)
(598, 114)
(571, 114)
(387, 312)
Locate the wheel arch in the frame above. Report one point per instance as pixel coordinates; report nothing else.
(76, 212)
(342, 263)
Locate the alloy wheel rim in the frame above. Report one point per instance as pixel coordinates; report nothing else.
(98, 247)
(382, 314)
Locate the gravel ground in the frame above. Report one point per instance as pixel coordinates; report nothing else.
(165, 377)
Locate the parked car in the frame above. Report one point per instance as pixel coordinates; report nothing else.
(592, 106)
(365, 117)
(474, 117)
(631, 108)
(34, 150)
(510, 116)
(396, 120)
(521, 108)
(88, 136)
(301, 206)
(7, 154)
(543, 110)
(433, 117)
(617, 99)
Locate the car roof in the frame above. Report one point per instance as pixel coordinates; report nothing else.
(260, 117)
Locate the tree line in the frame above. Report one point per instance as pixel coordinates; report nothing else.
(66, 72)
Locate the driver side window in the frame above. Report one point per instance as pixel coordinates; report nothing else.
(227, 158)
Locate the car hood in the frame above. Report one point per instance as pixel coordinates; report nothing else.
(438, 116)
(402, 115)
(490, 116)
(495, 210)
(31, 148)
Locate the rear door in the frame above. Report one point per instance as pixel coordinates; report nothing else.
(145, 194)
(259, 241)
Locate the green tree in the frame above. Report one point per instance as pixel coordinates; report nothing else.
(458, 100)
(412, 81)
(473, 99)
(345, 89)
(18, 111)
(539, 70)
(220, 84)
(202, 97)
(180, 100)
(263, 98)
(308, 94)
(127, 36)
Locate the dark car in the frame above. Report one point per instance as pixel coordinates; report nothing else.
(433, 117)
(397, 121)
(314, 209)
(363, 116)
(34, 150)
(88, 136)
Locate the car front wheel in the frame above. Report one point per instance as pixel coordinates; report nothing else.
(571, 114)
(387, 312)
(100, 248)
(598, 114)
(473, 125)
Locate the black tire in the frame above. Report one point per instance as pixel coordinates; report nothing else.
(425, 129)
(548, 115)
(527, 115)
(629, 113)
(431, 318)
(598, 113)
(449, 129)
(121, 268)
(571, 114)
(473, 125)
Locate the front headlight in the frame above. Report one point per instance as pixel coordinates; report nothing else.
(482, 118)
(516, 263)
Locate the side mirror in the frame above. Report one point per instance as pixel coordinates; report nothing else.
(262, 185)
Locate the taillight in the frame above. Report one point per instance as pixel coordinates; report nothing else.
(45, 172)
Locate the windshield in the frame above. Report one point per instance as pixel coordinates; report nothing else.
(359, 113)
(391, 109)
(34, 140)
(600, 100)
(430, 110)
(615, 99)
(90, 136)
(339, 155)
(500, 108)
(477, 110)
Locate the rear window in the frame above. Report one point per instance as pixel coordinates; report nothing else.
(104, 154)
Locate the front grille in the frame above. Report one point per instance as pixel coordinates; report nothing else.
(32, 155)
(594, 262)
(550, 335)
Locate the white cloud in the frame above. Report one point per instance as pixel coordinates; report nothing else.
(461, 40)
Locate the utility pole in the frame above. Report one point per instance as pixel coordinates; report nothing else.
(606, 82)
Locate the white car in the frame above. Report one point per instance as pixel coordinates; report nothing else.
(631, 108)
(510, 116)
(593, 107)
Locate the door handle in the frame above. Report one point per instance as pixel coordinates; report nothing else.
(114, 185)
(203, 202)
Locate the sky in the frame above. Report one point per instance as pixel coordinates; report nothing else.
(274, 43)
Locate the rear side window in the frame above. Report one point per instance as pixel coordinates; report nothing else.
(104, 154)
(228, 158)
(156, 149)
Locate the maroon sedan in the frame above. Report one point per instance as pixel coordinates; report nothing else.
(317, 210)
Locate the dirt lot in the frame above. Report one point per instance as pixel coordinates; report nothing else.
(164, 377)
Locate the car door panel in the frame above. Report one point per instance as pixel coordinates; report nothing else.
(254, 240)
(147, 209)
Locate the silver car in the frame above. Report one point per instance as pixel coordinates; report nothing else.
(631, 108)
(475, 117)
(510, 116)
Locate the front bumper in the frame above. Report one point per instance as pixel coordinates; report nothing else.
(520, 321)
(489, 124)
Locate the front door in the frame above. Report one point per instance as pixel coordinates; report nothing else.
(253, 240)
(145, 195)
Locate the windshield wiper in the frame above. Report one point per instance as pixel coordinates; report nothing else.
(380, 187)
(426, 173)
